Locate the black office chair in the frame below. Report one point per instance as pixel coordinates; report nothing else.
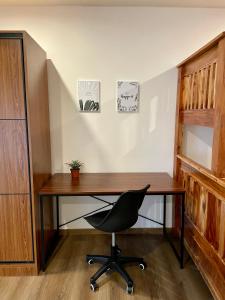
(123, 215)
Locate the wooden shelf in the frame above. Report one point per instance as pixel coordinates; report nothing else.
(201, 117)
(200, 101)
(208, 173)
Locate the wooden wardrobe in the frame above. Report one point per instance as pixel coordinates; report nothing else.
(25, 159)
(201, 102)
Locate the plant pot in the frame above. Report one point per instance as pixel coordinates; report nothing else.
(75, 173)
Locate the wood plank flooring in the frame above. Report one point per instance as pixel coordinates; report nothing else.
(67, 275)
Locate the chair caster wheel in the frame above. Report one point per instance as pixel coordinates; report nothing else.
(90, 261)
(108, 272)
(130, 289)
(118, 250)
(93, 286)
(143, 266)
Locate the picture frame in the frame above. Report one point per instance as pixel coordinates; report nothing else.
(128, 96)
(88, 95)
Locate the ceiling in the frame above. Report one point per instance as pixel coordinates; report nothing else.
(168, 3)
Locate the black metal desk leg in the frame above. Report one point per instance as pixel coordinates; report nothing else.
(57, 214)
(42, 234)
(182, 232)
(164, 215)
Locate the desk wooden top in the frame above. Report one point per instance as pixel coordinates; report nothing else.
(110, 184)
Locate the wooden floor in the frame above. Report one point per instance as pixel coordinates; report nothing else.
(67, 275)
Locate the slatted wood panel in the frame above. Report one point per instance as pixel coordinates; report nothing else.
(11, 80)
(206, 210)
(199, 88)
(16, 230)
(14, 176)
(205, 227)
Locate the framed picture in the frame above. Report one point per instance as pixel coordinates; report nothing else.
(89, 95)
(127, 96)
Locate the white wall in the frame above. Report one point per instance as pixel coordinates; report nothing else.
(197, 144)
(144, 44)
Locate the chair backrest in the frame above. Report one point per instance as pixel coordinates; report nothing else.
(124, 213)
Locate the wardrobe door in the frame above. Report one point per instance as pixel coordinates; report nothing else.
(14, 176)
(16, 228)
(11, 80)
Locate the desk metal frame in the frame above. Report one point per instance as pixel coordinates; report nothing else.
(179, 254)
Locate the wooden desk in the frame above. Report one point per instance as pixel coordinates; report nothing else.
(96, 184)
(110, 184)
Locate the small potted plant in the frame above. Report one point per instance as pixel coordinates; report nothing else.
(75, 168)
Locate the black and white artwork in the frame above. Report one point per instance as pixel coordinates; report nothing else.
(89, 95)
(127, 96)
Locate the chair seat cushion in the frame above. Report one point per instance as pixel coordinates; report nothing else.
(96, 219)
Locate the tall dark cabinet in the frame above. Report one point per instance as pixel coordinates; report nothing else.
(25, 157)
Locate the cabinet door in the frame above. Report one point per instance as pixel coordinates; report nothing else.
(16, 229)
(14, 176)
(11, 80)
